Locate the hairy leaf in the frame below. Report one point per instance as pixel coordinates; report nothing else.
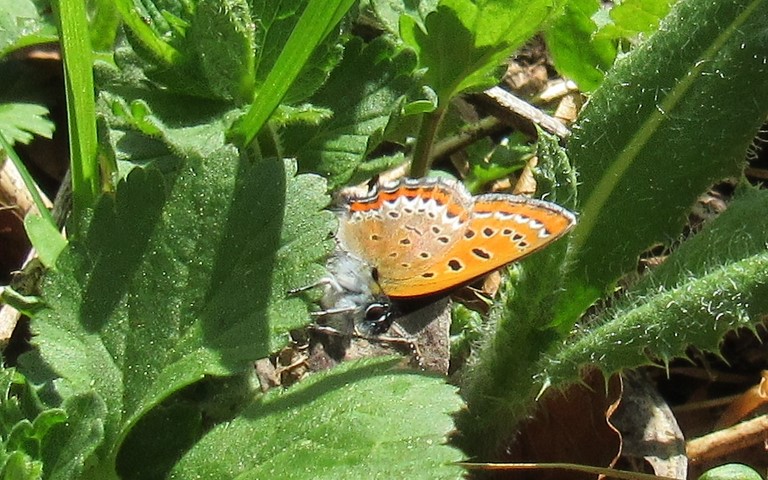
(716, 282)
(360, 420)
(179, 276)
(670, 119)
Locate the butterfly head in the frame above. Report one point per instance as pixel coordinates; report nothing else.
(353, 301)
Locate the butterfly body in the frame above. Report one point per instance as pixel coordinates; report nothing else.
(353, 301)
(422, 237)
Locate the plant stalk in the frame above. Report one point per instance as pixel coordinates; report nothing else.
(422, 152)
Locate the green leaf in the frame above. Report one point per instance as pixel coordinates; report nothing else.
(72, 447)
(576, 52)
(363, 419)
(671, 118)
(178, 277)
(223, 33)
(464, 42)
(227, 50)
(46, 239)
(385, 14)
(153, 126)
(631, 18)
(372, 78)
(24, 23)
(731, 471)
(104, 24)
(157, 35)
(18, 465)
(278, 21)
(502, 160)
(714, 283)
(19, 122)
(25, 425)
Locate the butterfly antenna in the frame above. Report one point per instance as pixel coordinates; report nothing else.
(320, 283)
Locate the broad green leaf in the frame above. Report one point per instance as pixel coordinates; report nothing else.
(714, 283)
(48, 241)
(178, 277)
(19, 122)
(363, 92)
(576, 52)
(363, 419)
(463, 43)
(24, 23)
(671, 118)
(154, 126)
(104, 24)
(278, 20)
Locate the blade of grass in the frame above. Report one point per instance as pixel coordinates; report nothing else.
(29, 182)
(316, 22)
(81, 110)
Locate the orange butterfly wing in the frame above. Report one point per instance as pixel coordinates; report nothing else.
(405, 227)
(501, 229)
(426, 236)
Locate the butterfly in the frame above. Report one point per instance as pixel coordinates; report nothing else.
(417, 238)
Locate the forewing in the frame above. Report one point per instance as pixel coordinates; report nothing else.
(404, 229)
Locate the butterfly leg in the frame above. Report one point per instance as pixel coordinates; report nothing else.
(399, 338)
(402, 337)
(325, 329)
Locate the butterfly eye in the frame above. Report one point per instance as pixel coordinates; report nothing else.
(378, 317)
